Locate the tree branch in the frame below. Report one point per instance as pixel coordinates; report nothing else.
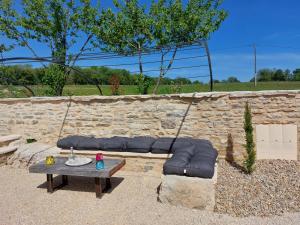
(163, 71)
(82, 49)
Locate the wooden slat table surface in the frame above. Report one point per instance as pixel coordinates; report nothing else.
(110, 167)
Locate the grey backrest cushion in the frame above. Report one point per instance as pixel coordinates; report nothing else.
(140, 144)
(179, 162)
(198, 161)
(79, 142)
(168, 145)
(117, 144)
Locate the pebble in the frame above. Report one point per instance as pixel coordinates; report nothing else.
(272, 189)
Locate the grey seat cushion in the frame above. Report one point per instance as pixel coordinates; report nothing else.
(168, 145)
(79, 143)
(116, 144)
(140, 144)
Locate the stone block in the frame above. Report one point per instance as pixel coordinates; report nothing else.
(190, 192)
(168, 124)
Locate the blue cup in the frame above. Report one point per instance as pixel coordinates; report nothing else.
(100, 165)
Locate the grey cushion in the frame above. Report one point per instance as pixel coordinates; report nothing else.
(169, 145)
(191, 157)
(140, 144)
(179, 162)
(79, 142)
(198, 161)
(116, 144)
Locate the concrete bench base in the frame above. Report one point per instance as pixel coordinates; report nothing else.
(190, 192)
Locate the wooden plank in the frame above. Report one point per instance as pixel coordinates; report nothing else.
(92, 153)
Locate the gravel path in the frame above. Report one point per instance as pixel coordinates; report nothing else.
(274, 188)
(132, 201)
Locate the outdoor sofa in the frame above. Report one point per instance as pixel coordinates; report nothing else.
(190, 157)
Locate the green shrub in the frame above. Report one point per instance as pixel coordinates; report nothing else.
(143, 83)
(55, 78)
(249, 163)
(30, 140)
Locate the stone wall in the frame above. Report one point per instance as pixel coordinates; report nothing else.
(213, 116)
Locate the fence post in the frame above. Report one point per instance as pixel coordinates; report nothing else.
(209, 64)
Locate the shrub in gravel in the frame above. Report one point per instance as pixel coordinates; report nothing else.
(249, 162)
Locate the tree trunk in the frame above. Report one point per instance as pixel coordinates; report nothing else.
(162, 70)
(140, 59)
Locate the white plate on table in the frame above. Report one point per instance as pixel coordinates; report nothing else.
(78, 161)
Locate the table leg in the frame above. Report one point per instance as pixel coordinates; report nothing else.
(50, 188)
(98, 188)
(64, 180)
(107, 184)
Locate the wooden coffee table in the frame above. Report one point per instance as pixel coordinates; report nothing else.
(89, 170)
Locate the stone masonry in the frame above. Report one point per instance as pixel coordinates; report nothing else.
(214, 116)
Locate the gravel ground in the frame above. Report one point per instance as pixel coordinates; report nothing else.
(274, 188)
(132, 201)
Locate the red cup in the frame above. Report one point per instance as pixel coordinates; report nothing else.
(99, 156)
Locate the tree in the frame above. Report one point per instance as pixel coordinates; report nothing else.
(296, 75)
(125, 32)
(23, 75)
(279, 75)
(249, 162)
(176, 24)
(232, 80)
(54, 23)
(197, 82)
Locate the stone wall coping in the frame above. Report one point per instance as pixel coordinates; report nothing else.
(186, 96)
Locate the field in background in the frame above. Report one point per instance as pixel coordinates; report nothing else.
(79, 90)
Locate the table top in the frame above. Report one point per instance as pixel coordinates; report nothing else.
(110, 167)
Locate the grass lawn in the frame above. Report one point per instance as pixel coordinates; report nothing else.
(80, 90)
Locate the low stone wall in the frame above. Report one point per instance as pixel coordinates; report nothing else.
(213, 116)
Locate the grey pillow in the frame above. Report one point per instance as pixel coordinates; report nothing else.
(179, 162)
(78, 142)
(116, 144)
(198, 161)
(169, 145)
(140, 144)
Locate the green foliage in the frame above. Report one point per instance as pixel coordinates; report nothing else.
(84, 90)
(19, 74)
(176, 23)
(232, 80)
(143, 84)
(249, 162)
(125, 31)
(54, 23)
(277, 75)
(30, 140)
(296, 75)
(55, 78)
(176, 88)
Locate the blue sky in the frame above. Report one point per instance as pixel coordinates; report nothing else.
(273, 25)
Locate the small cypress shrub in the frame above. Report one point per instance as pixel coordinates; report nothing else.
(249, 163)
